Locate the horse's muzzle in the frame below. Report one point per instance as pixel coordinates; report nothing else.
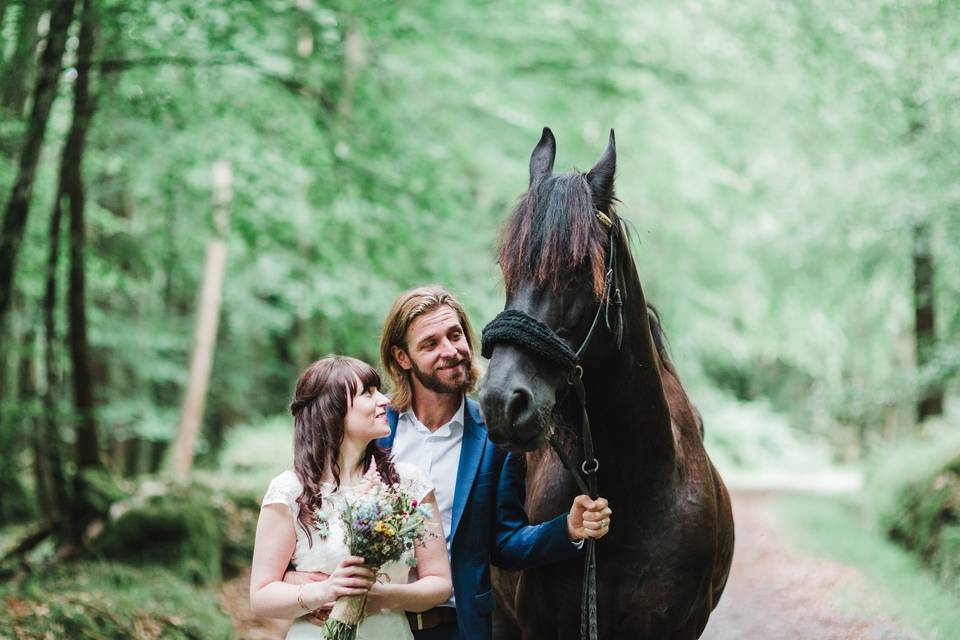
(512, 418)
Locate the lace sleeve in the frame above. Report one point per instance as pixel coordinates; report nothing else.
(284, 489)
(414, 480)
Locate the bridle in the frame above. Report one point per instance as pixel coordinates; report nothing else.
(529, 334)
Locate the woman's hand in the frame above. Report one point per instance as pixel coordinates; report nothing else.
(350, 578)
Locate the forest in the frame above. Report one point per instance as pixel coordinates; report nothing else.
(203, 196)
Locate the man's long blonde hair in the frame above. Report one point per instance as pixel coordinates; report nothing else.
(407, 308)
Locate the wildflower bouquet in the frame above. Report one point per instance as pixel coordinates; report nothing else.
(380, 523)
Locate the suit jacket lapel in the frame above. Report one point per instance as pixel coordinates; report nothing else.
(392, 418)
(471, 451)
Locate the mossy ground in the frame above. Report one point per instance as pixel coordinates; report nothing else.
(99, 600)
(153, 572)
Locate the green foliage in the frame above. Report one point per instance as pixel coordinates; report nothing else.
(253, 454)
(773, 163)
(750, 436)
(181, 533)
(892, 467)
(100, 490)
(239, 515)
(105, 600)
(17, 503)
(927, 521)
(200, 531)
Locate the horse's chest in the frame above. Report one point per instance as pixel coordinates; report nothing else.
(548, 494)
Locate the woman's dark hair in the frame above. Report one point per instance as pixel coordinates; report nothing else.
(320, 403)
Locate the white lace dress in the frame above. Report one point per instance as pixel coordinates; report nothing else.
(326, 553)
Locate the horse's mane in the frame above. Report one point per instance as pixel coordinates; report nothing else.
(544, 243)
(660, 340)
(552, 231)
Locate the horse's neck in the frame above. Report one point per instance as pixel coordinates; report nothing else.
(626, 399)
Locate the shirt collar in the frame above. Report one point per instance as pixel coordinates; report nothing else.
(446, 429)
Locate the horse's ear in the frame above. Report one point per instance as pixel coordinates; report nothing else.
(541, 160)
(601, 176)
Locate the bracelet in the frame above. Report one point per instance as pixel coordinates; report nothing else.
(300, 599)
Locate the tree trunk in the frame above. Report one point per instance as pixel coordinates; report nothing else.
(353, 60)
(30, 425)
(50, 434)
(131, 456)
(18, 206)
(206, 329)
(3, 16)
(930, 402)
(16, 71)
(17, 417)
(71, 177)
(304, 30)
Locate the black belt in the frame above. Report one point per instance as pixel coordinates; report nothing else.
(432, 618)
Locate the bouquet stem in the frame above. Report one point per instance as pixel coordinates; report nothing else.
(345, 618)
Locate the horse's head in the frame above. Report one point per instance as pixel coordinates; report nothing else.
(553, 254)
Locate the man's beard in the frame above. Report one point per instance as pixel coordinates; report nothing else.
(435, 384)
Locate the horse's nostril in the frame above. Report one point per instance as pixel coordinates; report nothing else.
(518, 408)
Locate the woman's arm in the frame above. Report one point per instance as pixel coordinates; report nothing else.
(270, 597)
(434, 584)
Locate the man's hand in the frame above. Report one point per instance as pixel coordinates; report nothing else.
(378, 598)
(304, 577)
(588, 518)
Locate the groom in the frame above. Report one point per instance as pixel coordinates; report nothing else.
(427, 350)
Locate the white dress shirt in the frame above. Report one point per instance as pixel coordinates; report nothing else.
(437, 453)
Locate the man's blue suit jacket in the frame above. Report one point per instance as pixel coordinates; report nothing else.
(490, 524)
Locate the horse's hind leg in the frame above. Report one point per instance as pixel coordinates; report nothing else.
(503, 627)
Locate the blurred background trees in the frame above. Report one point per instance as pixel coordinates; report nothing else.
(789, 168)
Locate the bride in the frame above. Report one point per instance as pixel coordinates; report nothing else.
(339, 413)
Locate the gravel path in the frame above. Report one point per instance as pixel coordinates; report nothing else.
(775, 592)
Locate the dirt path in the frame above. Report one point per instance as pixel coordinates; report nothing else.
(776, 593)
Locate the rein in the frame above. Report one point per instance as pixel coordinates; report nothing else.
(516, 327)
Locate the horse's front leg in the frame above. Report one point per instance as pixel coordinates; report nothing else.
(503, 627)
(544, 629)
(547, 606)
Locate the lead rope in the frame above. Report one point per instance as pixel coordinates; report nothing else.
(588, 592)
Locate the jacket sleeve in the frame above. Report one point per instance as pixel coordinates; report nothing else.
(519, 544)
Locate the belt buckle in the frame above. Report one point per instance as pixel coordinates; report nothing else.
(419, 621)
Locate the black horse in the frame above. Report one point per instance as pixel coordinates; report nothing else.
(664, 564)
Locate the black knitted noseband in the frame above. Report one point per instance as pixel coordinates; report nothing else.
(531, 335)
